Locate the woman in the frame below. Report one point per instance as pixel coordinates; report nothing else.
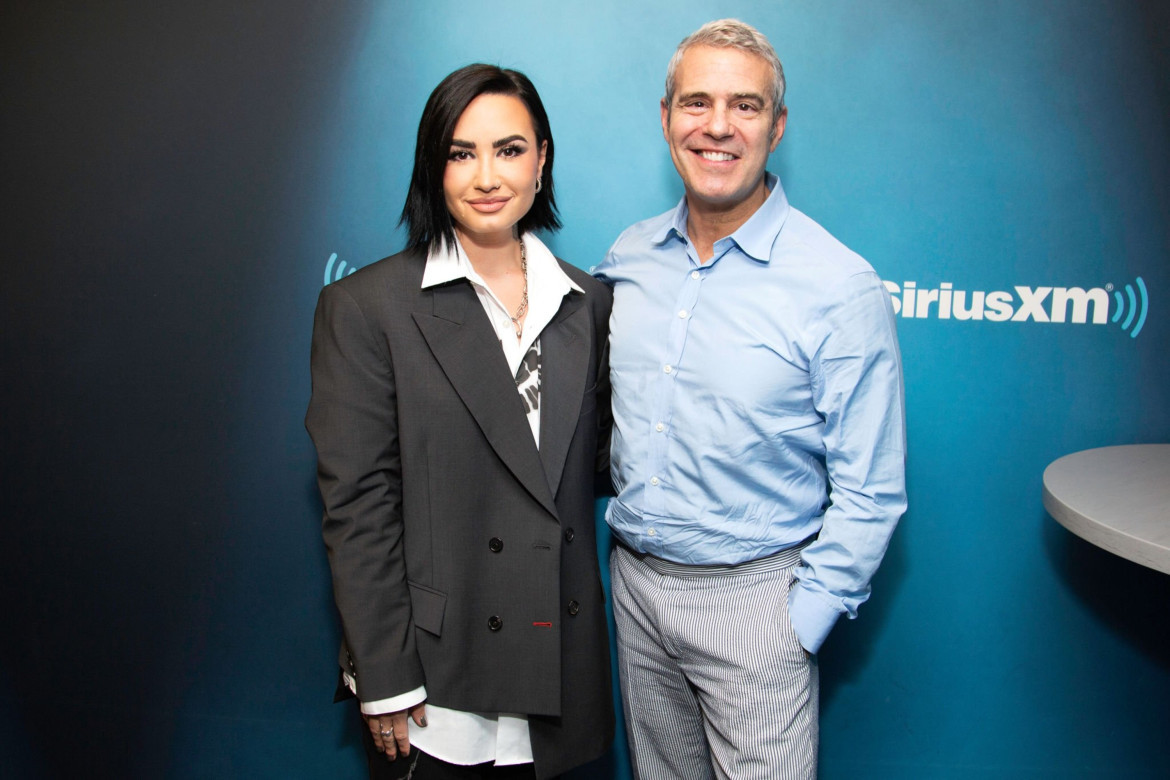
(460, 414)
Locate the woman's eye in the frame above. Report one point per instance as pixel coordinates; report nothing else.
(511, 151)
(459, 155)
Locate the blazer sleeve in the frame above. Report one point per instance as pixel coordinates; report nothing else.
(353, 421)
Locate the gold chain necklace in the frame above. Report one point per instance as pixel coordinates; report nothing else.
(522, 309)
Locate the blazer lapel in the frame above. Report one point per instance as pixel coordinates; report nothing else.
(465, 346)
(564, 367)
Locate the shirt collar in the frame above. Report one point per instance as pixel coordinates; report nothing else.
(754, 237)
(447, 263)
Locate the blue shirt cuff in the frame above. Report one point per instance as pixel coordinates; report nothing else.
(812, 619)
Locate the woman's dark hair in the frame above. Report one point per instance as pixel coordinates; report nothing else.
(425, 214)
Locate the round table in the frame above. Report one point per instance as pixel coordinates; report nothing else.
(1118, 498)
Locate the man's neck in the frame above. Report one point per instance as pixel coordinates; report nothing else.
(707, 223)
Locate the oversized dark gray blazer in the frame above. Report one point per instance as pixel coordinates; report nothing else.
(463, 557)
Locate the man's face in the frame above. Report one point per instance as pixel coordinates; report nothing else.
(719, 126)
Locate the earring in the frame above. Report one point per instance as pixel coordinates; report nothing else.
(538, 183)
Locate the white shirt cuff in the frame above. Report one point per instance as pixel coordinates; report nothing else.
(395, 703)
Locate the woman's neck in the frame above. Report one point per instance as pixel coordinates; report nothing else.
(500, 263)
(494, 256)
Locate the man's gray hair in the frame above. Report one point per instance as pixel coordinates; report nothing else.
(731, 34)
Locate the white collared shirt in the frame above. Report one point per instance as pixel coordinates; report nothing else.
(454, 736)
(547, 285)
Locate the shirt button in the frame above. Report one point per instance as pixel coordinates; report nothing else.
(653, 480)
(660, 427)
(682, 314)
(694, 274)
(667, 369)
(651, 532)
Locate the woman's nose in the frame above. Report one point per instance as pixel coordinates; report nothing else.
(485, 176)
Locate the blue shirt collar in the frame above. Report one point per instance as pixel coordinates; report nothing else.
(754, 237)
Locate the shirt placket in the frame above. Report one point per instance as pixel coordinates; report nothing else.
(666, 386)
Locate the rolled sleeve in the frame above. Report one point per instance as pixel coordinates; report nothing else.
(857, 388)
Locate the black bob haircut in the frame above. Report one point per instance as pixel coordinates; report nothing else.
(425, 214)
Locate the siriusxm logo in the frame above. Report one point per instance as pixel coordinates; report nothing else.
(332, 275)
(1074, 305)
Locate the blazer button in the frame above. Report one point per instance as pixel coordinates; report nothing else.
(494, 623)
(569, 534)
(496, 544)
(574, 608)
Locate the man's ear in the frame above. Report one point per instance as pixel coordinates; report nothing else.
(778, 128)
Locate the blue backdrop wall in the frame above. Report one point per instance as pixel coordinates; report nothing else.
(179, 180)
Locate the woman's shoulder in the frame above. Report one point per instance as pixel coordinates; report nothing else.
(584, 280)
(405, 263)
(399, 272)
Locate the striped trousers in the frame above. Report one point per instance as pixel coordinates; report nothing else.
(714, 682)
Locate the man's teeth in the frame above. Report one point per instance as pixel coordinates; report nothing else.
(717, 156)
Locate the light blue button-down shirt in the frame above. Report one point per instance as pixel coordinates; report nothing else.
(757, 402)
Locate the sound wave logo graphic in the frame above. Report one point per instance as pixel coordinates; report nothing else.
(1134, 309)
(332, 275)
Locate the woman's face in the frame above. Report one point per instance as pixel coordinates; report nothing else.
(492, 167)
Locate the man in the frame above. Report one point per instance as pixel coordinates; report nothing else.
(759, 441)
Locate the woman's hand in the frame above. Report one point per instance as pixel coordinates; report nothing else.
(391, 730)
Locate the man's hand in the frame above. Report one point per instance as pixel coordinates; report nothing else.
(391, 730)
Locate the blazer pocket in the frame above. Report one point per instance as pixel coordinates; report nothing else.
(427, 607)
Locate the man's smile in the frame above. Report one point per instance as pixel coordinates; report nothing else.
(716, 156)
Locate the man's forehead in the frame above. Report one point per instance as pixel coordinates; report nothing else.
(717, 70)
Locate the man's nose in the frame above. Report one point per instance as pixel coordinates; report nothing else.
(719, 123)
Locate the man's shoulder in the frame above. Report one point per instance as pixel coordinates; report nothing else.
(802, 234)
(643, 233)
(635, 240)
